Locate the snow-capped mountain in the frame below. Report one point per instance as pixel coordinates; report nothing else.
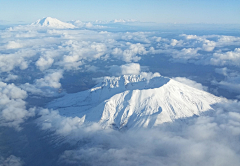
(52, 23)
(131, 101)
(122, 21)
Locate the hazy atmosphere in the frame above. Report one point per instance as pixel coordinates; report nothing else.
(119, 83)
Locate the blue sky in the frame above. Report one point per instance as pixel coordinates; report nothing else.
(160, 11)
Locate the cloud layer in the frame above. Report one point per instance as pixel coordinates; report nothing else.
(11, 161)
(12, 106)
(36, 61)
(206, 140)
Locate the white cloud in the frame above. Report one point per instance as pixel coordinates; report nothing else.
(70, 49)
(79, 52)
(228, 40)
(171, 144)
(27, 34)
(117, 51)
(50, 80)
(11, 91)
(230, 85)
(12, 106)
(175, 42)
(149, 75)
(157, 39)
(191, 83)
(228, 58)
(142, 37)
(186, 53)
(44, 63)
(224, 71)
(231, 81)
(131, 53)
(46, 86)
(11, 77)
(189, 37)
(89, 25)
(91, 68)
(227, 72)
(13, 45)
(9, 61)
(52, 120)
(123, 20)
(130, 68)
(208, 45)
(11, 161)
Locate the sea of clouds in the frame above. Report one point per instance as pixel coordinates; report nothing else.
(34, 60)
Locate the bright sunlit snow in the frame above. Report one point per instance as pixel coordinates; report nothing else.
(152, 85)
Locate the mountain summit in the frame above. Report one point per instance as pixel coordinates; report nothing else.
(53, 23)
(132, 101)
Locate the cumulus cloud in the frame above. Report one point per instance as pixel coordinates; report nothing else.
(227, 58)
(190, 36)
(52, 51)
(175, 42)
(134, 49)
(130, 68)
(231, 81)
(231, 84)
(13, 45)
(61, 125)
(91, 68)
(130, 54)
(224, 71)
(194, 45)
(228, 40)
(209, 42)
(76, 49)
(142, 37)
(219, 40)
(185, 54)
(44, 63)
(157, 39)
(11, 77)
(9, 61)
(60, 48)
(46, 86)
(79, 52)
(191, 83)
(49, 48)
(204, 140)
(50, 80)
(208, 45)
(149, 75)
(88, 25)
(11, 161)
(12, 106)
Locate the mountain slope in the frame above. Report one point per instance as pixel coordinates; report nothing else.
(133, 101)
(53, 23)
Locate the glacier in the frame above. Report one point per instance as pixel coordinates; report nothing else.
(52, 23)
(135, 101)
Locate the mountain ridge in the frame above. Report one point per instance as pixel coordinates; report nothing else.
(132, 101)
(52, 23)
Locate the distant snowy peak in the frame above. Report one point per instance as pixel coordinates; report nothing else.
(123, 20)
(135, 101)
(52, 23)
